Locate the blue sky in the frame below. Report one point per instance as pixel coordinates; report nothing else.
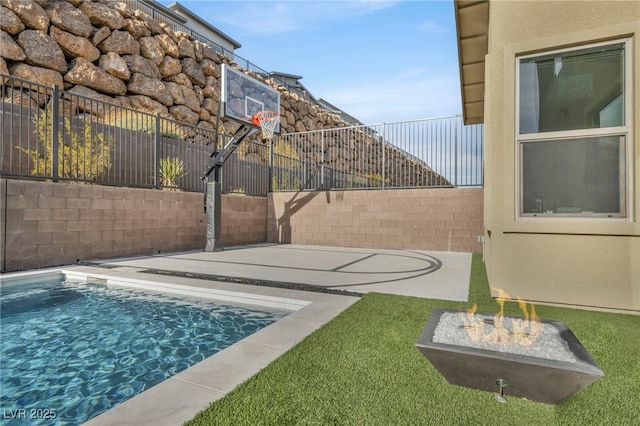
(380, 61)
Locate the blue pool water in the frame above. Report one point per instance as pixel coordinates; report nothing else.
(69, 352)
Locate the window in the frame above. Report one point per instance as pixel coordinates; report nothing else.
(572, 132)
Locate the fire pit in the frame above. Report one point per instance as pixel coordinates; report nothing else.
(537, 360)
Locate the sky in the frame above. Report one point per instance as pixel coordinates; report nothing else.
(379, 61)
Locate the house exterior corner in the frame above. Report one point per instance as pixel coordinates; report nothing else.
(562, 158)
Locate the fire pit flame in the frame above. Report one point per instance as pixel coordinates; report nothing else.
(517, 331)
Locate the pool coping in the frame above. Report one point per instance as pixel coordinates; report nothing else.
(182, 396)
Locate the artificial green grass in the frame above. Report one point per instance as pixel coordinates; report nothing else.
(362, 368)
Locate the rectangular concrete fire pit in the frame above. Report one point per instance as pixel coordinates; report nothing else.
(545, 379)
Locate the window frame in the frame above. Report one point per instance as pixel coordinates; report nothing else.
(625, 132)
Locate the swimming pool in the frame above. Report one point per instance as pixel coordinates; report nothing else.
(71, 350)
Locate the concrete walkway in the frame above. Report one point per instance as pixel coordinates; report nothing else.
(314, 283)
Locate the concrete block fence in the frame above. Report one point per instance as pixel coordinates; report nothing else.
(46, 224)
(442, 219)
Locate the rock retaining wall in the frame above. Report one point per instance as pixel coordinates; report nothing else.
(105, 50)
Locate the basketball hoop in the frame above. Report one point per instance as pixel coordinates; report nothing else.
(267, 120)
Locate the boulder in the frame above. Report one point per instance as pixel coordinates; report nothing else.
(288, 117)
(89, 93)
(184, 114)
(3, 67)
(191, 99)
(169, 66)
(168, 45)
(166, 29)
(73, 45)
(145, 103)
(309, 123)
(10, 22)
(211, 106)
(210, 68)
(102, 15)
(25, 97)
(42, 50)
(212, 89)
(209, 53)
(302, 108)
(175, 90)
(192, 70)
(124, 101)
(206, 126)
(186, 49)
(99, 35)
(140, 84)
(120, 42)
(199, 94)
(138, 64)
(181, 79)
(39, 75)
(9, 49)
(119, 6)
(30, 13)
(136, 28)
(153, 26)
(94, 108)
(299, 126)
(197, 48)
(69, 18)
(151, 49)
(115, 65)
(85, 73)
(204, 115)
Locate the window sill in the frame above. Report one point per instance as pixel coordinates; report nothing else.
(578, 215)
(559, 223)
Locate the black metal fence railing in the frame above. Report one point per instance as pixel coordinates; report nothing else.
(439, 152)
(58, 135)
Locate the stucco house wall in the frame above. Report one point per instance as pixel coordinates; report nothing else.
(591, 262)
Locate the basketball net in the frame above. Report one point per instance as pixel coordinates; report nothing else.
(267, 120)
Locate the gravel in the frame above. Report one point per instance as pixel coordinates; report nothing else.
(549, 345)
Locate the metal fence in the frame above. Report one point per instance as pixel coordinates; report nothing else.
(61, 135)
(438, 152)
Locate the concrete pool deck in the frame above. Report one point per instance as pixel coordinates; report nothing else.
(418, 273)
(318, 282)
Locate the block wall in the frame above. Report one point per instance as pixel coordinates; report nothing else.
(244, 220)
(48, 224)
(443, 219)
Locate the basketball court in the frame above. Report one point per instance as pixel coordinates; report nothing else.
(255, 106)
(352, 271)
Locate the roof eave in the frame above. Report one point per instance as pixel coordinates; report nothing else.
(472, 29)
